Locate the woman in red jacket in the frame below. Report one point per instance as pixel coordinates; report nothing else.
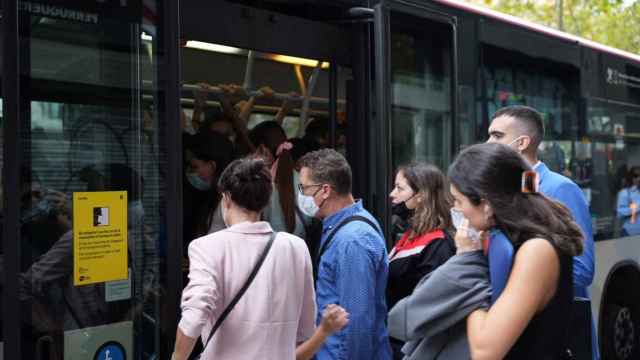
(421, 200)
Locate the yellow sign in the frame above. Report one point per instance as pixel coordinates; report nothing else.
(99, 237)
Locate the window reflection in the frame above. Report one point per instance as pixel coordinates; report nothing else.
(611, 151)
(88, 130)
(420, 91)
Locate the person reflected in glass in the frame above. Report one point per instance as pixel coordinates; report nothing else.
(86, 306)
(629, 201)
(420, 198)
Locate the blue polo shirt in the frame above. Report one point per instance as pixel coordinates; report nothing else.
(353, 274)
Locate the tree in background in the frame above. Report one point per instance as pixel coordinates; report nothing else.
(612, 22)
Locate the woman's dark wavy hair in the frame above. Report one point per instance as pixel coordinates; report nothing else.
(248, 182)
(494, 172)
(429, 182)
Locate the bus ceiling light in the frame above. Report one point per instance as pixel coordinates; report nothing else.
(200, 45)
(192, 44)
(297, 61)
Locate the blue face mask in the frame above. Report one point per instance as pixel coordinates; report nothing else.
(197, 182)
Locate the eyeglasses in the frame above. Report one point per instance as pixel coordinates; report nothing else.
(301, 187)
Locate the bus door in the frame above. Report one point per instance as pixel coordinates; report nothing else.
(85, 170)
(254, 77)
(415, 50)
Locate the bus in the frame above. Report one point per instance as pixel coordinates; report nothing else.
(102, 95)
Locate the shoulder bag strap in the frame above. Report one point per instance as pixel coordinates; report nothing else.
(329, 240)
(244, 288)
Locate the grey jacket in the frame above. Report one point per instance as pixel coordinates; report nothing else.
(432, 319)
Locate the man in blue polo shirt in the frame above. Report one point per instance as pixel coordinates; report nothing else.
(352, 263)
(522, 128)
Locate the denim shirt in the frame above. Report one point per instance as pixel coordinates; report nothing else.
(353, 274)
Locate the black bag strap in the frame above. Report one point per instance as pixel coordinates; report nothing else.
(329, 240)
(244, 288)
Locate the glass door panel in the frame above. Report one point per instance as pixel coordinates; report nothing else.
(91, 179)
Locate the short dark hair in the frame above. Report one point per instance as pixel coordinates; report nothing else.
(248, 182)
(211, 146)
(527, 116)
(328, 166)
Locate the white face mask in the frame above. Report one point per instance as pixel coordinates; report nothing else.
(457, 218)
(307, 205)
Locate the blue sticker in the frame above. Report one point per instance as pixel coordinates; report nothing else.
(111, 351)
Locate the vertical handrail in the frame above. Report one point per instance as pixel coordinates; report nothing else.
(247, 84)
(169, 89)
(304, 114)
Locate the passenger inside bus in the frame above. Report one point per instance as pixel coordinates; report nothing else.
(271, 122)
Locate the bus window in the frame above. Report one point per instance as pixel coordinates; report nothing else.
(421, 95)
(608, 163)
(511, 78)
(421, 63)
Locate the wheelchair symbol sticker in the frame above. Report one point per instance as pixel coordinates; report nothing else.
(111, 351)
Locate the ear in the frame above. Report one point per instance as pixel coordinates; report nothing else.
(524, 143)
(488, 210)
(326, 191)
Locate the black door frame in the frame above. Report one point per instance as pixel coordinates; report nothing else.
(11, 177)
(382, 133)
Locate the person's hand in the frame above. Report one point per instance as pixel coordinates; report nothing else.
(200, 95)
(334, 318)
(266, 92)
(464, 243)
(287, 104)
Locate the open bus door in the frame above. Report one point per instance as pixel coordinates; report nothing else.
(415, 72)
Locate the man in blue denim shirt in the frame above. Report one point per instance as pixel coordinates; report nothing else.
(353, 266)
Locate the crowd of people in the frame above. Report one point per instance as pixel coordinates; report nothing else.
(494, 259)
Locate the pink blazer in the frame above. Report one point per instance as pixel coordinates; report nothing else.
(277, 311)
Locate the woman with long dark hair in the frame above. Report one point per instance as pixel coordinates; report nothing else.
(271, 143)
(420, 198)
(494, 188)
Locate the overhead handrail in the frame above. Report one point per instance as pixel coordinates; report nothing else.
(214, 94)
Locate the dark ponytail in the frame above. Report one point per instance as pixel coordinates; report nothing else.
(271, 135)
